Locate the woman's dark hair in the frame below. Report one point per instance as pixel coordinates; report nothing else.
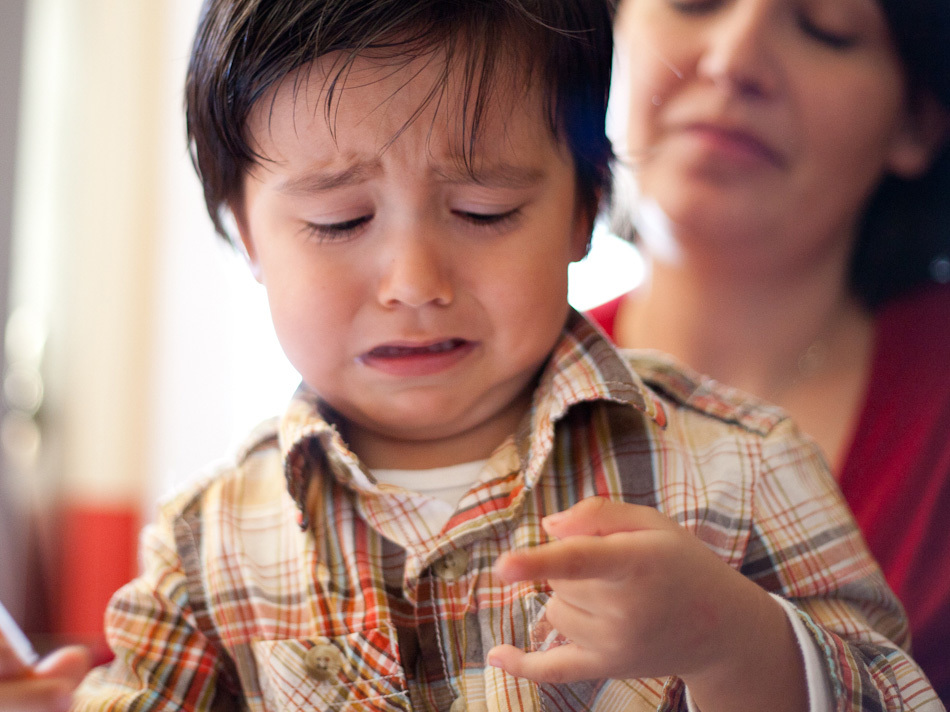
(905, 235)
(243, 48)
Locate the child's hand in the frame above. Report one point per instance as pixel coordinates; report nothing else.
(45, 687)
(639, 596)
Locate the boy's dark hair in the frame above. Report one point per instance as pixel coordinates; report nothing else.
(242, 48)
(905, 235)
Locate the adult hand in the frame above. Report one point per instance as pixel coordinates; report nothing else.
(46, 687)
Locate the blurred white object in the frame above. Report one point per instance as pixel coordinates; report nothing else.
(17, 638)
(612, 267)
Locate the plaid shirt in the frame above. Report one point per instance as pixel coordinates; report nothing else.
(291, 581)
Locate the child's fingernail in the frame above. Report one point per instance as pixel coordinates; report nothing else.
(552, 520)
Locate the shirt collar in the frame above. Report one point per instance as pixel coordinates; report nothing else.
(583, 367)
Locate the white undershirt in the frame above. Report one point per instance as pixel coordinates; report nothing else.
(446, 485)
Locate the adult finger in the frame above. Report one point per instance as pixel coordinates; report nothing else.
(70, 664)
(32, 694)
(11, 667)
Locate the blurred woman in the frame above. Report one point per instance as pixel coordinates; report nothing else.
(792, 199)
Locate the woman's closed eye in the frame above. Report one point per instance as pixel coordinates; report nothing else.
(816, 29)
(835, 39)
(693, 7)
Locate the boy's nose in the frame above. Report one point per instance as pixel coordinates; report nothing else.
(738, 55)
(415, 273)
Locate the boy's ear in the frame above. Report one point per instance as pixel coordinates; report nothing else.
(924, 131)
(247, 242)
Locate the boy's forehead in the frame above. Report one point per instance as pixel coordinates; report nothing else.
(497, 173)
(384, 99)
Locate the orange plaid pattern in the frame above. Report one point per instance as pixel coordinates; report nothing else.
(362, 608)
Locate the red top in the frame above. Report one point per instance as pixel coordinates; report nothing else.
(896, 476)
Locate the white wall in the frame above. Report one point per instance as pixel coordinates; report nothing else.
(148, 318)
(217, 364)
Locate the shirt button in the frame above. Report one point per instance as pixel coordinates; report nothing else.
(451, 566)
(323, 662)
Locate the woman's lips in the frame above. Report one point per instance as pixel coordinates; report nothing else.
(737, 146)
(405, 359)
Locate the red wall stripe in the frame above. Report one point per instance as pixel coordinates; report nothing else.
(98, 555)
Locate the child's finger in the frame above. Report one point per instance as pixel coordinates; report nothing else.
(565, 663)
(579, 623)
(597, 516)
(572, 559)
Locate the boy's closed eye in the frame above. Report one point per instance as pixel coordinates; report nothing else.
(346, 229)
(342, 230)
(497, 220)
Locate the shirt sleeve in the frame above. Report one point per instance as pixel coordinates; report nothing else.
(816, 676)
(162, 661)
(806, 547)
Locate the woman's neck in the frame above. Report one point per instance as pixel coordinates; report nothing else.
(786, 340)
(707, 321)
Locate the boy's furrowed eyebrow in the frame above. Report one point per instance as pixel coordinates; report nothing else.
(319, 181)
(501, 175)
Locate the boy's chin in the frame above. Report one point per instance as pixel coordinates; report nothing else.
(428, 438)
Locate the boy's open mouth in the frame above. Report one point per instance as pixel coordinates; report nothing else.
(412, 360)
(388, 351)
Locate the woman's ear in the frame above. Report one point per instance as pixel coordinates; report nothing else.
(246, 243)
(924, 131)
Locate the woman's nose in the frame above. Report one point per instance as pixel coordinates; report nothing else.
(415, 272)
(739, 55)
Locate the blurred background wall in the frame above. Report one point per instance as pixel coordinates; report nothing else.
(11, 41)
(131, 329)
(137, 348)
